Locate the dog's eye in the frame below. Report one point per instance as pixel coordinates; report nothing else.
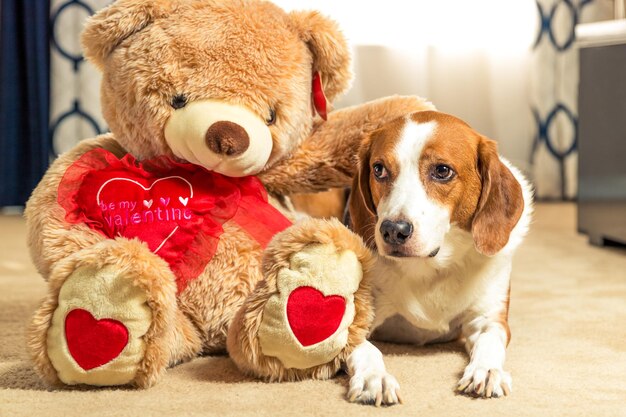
(272, 118)
(179, 101)
(442, 173)
(380, 172)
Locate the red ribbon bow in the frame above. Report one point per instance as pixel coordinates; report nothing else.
(177, 209)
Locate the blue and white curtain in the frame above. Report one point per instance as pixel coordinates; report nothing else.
(554, 93)
(75, 85)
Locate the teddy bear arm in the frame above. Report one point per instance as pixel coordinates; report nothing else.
(50, 236)
(328, 157)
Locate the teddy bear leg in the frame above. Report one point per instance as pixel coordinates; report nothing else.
(110, 318)
(312, 307)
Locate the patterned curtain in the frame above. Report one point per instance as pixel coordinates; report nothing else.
(554, 93)
(75, 85)
(75, 105)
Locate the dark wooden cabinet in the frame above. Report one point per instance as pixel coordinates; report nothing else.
(602, 141)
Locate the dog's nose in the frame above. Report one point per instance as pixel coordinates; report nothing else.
(396, 233)
(227, 138)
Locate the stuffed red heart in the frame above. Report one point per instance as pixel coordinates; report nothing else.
(93, 343)
(177, 209)
(152, 214)
(312, 316)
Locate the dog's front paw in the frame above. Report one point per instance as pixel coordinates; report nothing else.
(374, 387)
(483, 382)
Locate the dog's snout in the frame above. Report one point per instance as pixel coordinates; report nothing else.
(396, 233)
(227, 138)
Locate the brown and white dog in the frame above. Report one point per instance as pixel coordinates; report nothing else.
(445, 214)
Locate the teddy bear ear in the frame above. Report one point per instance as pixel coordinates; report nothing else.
(331, 55)
(106, 29)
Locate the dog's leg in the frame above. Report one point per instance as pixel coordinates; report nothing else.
(486, 342)
(370, 383)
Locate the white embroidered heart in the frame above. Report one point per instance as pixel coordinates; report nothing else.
(183, 201)
(154, 246)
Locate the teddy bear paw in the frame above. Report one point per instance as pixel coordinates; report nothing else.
(96, 333)
(306, 322)
(109, 322)
(312, 307)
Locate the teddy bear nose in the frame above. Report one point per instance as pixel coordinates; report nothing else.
(227, 138)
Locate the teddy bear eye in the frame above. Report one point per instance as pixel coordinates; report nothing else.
(179, 101)
(272, 118)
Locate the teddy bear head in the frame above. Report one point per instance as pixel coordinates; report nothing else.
(225, 84)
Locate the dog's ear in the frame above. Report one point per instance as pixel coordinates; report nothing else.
(106, 29)
(501, 201)
(361, 206)
(329, 49)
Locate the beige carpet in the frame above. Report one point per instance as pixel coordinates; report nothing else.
(567, 355)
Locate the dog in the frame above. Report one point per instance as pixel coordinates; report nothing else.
(445, 213)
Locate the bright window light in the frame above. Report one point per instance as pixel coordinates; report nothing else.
(451, 25)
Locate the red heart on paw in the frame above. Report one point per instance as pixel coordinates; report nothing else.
(313, 317)
(92, 342)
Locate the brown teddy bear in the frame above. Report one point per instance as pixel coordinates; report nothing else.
(152, 237)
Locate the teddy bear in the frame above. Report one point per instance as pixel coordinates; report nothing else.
(173, 235)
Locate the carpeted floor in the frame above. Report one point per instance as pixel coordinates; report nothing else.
(567, 355)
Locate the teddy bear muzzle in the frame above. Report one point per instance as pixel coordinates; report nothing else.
(220, 136)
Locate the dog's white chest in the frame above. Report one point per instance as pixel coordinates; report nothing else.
(420, 305)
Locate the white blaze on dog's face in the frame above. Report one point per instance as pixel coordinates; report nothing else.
(407, 202)
(428, 173)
